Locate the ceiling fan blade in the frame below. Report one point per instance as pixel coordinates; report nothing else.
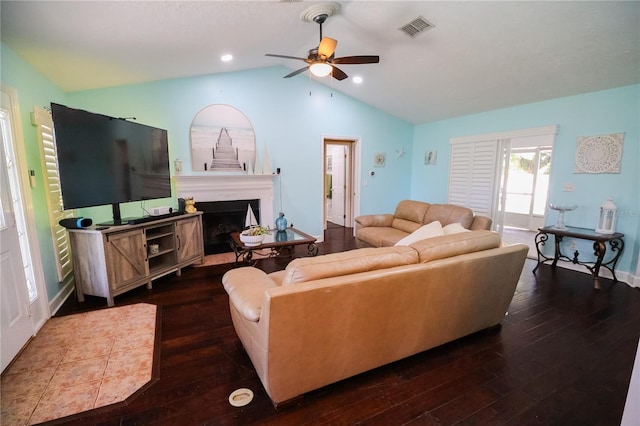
(338, 74)
(327, 47)
(363, 59)
(296, 72)
(284, 56)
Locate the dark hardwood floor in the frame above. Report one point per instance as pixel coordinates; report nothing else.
(562, 356)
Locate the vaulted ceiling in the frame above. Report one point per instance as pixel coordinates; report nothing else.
(479, 56)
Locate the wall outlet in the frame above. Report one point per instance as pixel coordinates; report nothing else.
(568, 187)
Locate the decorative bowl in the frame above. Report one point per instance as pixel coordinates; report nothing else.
(251, 240)
(560, 207)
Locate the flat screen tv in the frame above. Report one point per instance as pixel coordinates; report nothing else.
(106, 160)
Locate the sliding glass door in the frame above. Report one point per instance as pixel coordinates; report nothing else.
(526, 187)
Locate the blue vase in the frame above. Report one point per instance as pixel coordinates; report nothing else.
(281, 222)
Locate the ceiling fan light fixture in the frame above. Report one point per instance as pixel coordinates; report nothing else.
(320, 69)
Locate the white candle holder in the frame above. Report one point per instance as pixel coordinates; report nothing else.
(607, 220)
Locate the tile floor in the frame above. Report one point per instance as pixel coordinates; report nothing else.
(78, 363)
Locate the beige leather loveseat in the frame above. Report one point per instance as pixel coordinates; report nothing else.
(330, 317)
(384, 230)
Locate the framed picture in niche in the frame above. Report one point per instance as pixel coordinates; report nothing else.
(430, 157)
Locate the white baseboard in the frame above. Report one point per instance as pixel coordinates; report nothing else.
(67, 289)
(635, 281)
(623, 277)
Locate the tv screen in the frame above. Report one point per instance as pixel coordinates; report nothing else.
(106, 160)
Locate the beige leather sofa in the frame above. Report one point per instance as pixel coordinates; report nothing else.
(384, 230)
(330, 317)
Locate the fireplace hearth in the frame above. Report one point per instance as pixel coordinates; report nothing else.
(220, 219)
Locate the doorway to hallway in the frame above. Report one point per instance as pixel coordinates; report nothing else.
(338, 183)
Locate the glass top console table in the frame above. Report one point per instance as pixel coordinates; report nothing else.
(600, 241)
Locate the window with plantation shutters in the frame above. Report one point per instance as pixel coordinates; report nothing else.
(479, 169)
(53, 194)
(472, 176)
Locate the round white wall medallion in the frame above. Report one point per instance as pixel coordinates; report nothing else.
(599, 154)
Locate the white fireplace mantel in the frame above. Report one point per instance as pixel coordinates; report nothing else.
(230, 188)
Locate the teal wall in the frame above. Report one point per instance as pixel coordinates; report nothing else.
(603, 112)
(286, 118)
(34, 89)
(290, 117)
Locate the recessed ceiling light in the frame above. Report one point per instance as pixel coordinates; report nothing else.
(357, 79)
(226, 58)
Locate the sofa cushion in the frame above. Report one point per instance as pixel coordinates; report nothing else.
(246, 287)
(409, 215)
(406, 226)
(449, 213)
(348, 262)
(277, 276)
(430, 230)
(381, 236)
(456, 244)
(454, 228)
(411, 210)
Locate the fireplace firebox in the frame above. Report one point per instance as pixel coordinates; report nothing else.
(221, 218)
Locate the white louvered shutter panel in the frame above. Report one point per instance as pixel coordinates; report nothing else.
(472, 176)
(53, 194)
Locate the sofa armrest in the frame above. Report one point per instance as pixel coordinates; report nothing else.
(480, 223)
(374, 220)
(246, 287)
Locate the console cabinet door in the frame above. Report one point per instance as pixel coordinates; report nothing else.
(189, 238)
(126, 257)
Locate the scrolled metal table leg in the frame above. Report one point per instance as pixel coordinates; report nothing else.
(540, 240)
(557, 254)
(617, 246)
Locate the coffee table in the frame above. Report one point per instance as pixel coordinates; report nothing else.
(275, 243)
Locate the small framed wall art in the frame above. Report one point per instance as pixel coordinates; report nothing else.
(379, 159)
(430, 157)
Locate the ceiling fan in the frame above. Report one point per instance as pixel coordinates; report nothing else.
(321, 60)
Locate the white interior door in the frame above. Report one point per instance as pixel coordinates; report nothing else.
(338, 192)
(15, 322)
